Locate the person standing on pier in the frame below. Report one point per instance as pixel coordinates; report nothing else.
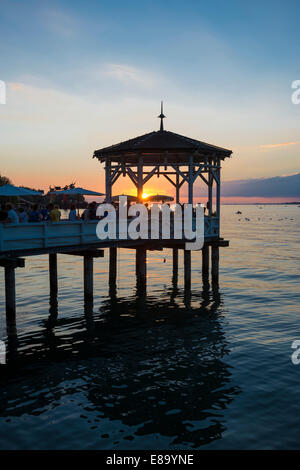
(72, 213)
(54, 214)
(12, 216)
(35, 215)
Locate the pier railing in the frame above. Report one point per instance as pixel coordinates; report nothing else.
(43, 235)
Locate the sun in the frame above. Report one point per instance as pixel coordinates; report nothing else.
(145, 195)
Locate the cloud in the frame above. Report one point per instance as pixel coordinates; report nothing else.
(279, 186)
(16, 86)
(284, 144)
(128, 74)
(60, 23)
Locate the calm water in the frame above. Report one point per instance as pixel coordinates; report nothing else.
(165, 371)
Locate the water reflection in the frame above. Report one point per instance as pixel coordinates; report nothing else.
(156, 364)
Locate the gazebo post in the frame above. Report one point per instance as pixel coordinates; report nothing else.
(140, 180)
(177, 189)
(175, 250)
(210, 190)
(108, 188)
(191, 179)
(187, 253)
(219, 195)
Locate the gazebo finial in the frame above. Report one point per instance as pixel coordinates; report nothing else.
(161, 116)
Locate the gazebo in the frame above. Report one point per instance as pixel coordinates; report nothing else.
(177, 158)
(180, 160)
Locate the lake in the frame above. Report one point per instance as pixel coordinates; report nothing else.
(166, 370)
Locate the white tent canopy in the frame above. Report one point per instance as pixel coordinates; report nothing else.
(11, 190)
(78, 192)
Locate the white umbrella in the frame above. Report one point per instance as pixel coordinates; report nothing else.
(158, 198)
(129, 198)
(11, 190)
(77, 192)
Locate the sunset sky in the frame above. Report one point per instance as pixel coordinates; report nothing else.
(82, 75)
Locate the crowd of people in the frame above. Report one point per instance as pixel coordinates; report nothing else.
(50, 213)
(41, 213)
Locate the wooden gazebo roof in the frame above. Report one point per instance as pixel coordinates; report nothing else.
(158, 145)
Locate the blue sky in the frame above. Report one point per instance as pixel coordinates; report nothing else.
(82, 75)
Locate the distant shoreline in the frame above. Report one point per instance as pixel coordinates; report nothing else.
(260, 203)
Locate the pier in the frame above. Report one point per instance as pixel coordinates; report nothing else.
(178, 159)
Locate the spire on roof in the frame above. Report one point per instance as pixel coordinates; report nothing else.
(161, 116)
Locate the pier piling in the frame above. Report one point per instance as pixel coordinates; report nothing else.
(88, 276)
(53, 274)
(10, 264)
(112, 266)
(10, 293)
(215, 264)
(141, 266)
(205, 262)
(187, 269)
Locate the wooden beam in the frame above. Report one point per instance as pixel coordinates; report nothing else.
(150, 174)
(198, 172)
(108, 185)
(169, 179)
(183, 175)
(132, 176)
(12, 262)
(93, 253)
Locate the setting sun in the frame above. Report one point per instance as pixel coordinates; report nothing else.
(145, 195)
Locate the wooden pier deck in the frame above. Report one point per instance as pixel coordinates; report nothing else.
(79, 238)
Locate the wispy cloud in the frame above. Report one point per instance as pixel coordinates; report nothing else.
(128, 74)
(60, 22)
(284, 144)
